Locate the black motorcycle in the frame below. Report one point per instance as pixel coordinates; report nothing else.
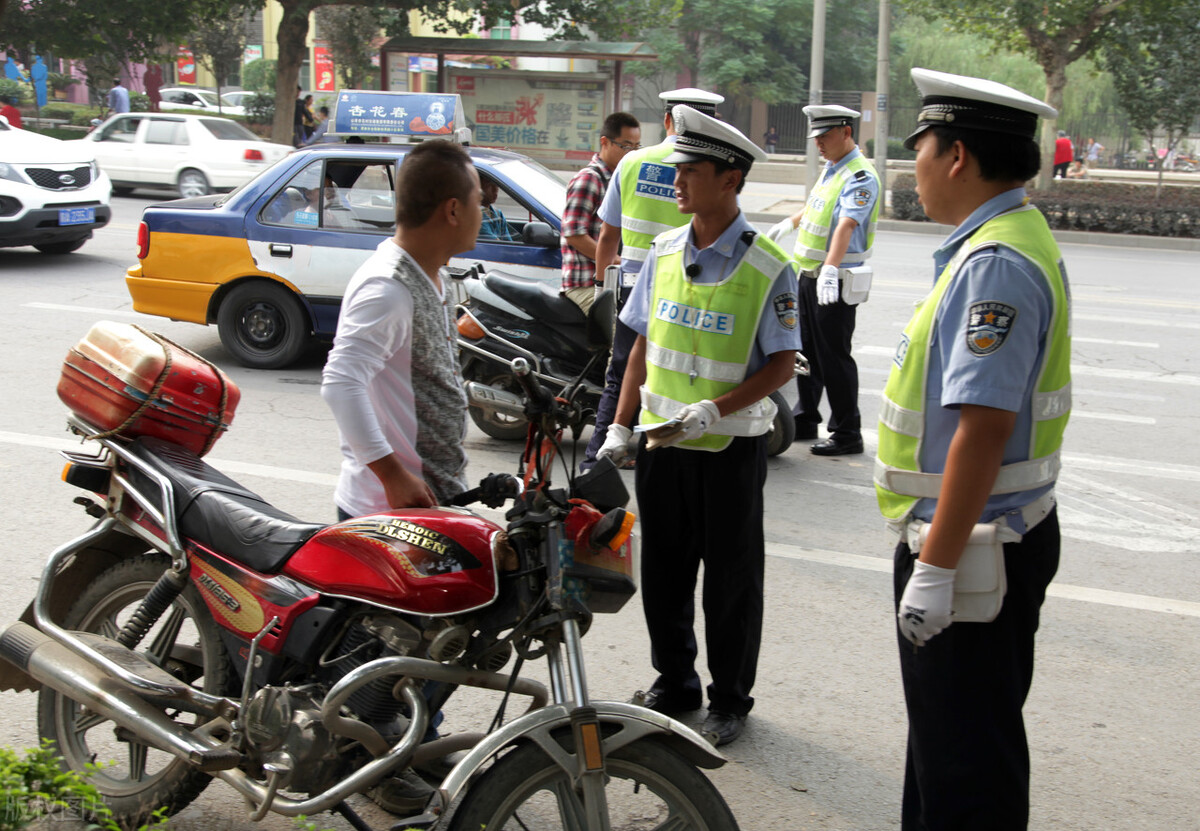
(501, 317)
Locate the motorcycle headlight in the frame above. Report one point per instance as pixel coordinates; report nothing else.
(7, 171)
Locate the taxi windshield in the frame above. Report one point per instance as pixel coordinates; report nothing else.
(537, 181)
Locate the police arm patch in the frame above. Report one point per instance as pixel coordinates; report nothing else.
(988, 326)
(785, 309)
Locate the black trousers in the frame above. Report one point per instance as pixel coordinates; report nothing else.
(701, 507)
(623, 340)
(827, 332)
(967, 766)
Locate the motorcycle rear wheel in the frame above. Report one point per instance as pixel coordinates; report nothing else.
(783, 428)
(135, 779)
(496, 425)
(649, 786)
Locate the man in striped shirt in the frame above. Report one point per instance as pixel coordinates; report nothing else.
(620, 133)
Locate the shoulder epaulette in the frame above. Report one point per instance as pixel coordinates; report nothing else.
(861, 176)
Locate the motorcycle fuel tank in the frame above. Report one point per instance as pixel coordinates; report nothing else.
(423, 561)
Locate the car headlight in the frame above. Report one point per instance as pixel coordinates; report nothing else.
(7, 171)
(95, 170)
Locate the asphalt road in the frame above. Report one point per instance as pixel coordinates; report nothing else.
(1113, 718)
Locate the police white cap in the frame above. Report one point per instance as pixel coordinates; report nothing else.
(824, 117)
(966, 103)
(702, 138)
(698, 99)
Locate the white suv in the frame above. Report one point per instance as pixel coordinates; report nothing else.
(52, 193)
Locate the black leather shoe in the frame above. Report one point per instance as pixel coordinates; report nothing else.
(721, 727)
(805, 430)
(833, 447)
(669, 704)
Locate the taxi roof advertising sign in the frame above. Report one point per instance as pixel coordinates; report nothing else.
(376, 113)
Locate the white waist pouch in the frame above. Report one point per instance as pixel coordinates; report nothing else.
(980, 581)
(856, 284)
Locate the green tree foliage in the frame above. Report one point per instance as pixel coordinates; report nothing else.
(1055, 33)
(105, 34)
(1153, 61)
(259, 75)
(762, 48)
(219, 45)
(350, 32)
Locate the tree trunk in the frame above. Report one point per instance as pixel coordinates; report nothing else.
(293, 31)
(1055, 68)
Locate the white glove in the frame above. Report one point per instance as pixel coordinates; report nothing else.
(780, 229)
(618, 444)
(925, 604)
(696, 419)
(827, 285)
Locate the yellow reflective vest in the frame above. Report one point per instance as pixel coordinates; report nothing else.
(817, 220)
(700, 337)
(899, 480)
(647, 200)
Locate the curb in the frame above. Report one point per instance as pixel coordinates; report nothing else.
(1073, 237)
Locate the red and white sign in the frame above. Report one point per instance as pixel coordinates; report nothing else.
(323, 69)
(185, 67)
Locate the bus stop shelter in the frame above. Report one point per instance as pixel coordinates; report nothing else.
(619, 53)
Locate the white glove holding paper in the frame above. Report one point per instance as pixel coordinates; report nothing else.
(618, 444)
(696, 419)
(780, 229)
(827, 285)
(925, 604)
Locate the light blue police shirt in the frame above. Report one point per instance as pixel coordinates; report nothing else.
(610, 208)
(1003, 379)
(717, 262)
(856, 201)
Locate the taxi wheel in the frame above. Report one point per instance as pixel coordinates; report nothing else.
(193, 183)
(263, 325)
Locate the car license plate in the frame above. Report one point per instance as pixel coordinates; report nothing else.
(76, 216)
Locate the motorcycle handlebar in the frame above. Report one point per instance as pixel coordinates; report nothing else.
(540, 401)
(493, 491)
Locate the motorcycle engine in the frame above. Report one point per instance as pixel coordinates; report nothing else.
(286, 720)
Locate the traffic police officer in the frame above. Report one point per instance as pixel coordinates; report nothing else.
(837, 230)
(639, 205)
(970, 431)
(714, 309)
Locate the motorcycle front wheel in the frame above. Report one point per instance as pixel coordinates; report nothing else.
(649, 786)
(136, 779)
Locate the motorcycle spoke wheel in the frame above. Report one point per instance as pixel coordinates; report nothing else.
(134, 778)
(649, 787)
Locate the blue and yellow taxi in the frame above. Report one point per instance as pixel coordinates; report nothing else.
(269, 262)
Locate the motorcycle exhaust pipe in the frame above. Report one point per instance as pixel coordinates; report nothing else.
(493, 400)
(59, 668)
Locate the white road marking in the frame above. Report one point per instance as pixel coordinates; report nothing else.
(1085, 594)
(124, 314)
(794, 552)
(1133, 343)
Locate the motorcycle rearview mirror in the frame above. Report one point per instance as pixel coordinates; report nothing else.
(540, 234)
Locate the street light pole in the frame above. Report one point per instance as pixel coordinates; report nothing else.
(882, 67)
(816, 84)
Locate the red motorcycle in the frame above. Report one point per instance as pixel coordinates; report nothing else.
(197, 632)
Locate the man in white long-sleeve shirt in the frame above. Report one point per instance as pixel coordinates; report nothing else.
(392, 378)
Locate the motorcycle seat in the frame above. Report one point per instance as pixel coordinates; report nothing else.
(541, 301)
(216, 511)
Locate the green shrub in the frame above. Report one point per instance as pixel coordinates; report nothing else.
(57, 111)
(260, 108)
(35, 787)
(10, 89)
(1106, 207)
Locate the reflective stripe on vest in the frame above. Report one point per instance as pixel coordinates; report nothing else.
(816, 223)
(700, 337)
(647, 200)
(899, 481)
